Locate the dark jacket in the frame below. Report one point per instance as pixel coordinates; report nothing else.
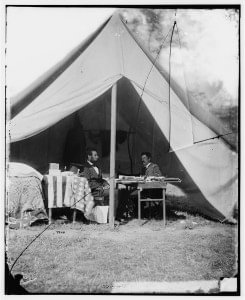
(95, 180)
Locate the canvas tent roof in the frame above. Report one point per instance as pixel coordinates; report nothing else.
(81, 83)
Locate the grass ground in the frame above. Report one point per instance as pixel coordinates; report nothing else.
(80, 258)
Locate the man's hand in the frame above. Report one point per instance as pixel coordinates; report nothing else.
(100, 188)
(106, 186)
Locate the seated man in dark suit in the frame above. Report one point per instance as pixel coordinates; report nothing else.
(149, 168)
(100, 187)
(93, 173)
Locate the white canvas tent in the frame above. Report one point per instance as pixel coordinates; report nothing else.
(182, 138)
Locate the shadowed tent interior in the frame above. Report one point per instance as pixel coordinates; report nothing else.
(49, 146)
(181, 138)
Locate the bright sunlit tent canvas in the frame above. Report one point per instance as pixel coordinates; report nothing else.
(152, 115)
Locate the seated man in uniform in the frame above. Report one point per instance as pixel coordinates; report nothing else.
(149, 168)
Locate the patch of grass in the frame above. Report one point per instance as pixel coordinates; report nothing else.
(79, 258)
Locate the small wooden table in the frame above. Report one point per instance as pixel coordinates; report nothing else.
(142, 184)
(152, 185)
(62, 191)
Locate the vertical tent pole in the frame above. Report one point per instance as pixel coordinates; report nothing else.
(113, 154)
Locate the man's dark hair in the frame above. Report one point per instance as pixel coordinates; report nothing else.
(89, 151)
(148, 154)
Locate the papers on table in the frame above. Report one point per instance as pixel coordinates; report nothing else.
(135, 179)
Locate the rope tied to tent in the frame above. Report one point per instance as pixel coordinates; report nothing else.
(139, 105)
(36, 237)
(147, 77)
(169, 84)
(169, 93)
(188, 96)
(215, 137)
(29, 246)
(186, 86)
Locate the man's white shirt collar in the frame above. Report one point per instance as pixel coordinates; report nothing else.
(147, 165)
(95, 168)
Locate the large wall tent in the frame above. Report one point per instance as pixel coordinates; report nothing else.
(74, 98)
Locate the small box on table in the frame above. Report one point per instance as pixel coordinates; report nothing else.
(54, 169)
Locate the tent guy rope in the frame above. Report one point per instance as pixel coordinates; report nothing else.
(143, 90)
(37, 236)
(169, 85)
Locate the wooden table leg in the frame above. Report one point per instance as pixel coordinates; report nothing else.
(150, 205)
(50, 215)
(139, 216)
(74, 215)
(164, 207)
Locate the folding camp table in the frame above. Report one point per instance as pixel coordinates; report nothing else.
(152, 186)
(155, 184)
